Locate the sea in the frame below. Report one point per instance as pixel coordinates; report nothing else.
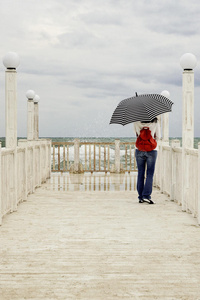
(101, 139)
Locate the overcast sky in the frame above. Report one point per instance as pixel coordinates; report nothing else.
(82, 57)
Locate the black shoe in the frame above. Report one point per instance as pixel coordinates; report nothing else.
(148, 201)
(141, 201)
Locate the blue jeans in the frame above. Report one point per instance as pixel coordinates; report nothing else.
(145, 159)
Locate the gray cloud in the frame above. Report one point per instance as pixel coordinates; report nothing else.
(82, 58)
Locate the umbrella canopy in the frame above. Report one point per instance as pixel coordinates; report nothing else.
(140, 108)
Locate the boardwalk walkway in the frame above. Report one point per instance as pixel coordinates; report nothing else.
(85, 244)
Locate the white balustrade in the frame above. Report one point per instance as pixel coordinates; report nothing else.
(22, 171)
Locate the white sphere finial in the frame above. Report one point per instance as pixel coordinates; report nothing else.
(188, 61)
(30, 94)
(11, 60)
(166, 94)
(36, 99)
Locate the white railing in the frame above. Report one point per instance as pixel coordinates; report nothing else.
(77, 157)
(22, 170)
(178, 175)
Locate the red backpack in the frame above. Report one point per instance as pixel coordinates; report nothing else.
(145, 141)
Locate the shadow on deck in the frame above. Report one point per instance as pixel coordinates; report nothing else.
(70, 241)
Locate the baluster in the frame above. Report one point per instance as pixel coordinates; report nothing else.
(54, 157)
(59, 157)
(108, 157)
(67, 157)
(64, 158)
(90, 163)
(99, 157)
(126, 156)
(105, 157)
(94, 158)
(85, 157)
(130, 158)
(135, 164)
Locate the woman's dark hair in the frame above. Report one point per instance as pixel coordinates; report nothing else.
(155, 120)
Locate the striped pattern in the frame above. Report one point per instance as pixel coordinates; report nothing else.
(140, 108)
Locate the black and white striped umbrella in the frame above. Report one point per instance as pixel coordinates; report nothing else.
(140, 108)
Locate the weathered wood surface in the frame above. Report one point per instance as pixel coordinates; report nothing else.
(98, 245)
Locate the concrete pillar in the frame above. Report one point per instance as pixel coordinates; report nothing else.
(36, 121)
(117, 156)
(188, 62)
(165, 127)
(30, 120)
(165, 120)
(11, 62)
(11, 108)
(188, 110)
(36, 117)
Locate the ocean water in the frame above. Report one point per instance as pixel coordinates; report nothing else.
(100, 139)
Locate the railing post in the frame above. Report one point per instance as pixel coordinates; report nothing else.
(117, 156)
(0, 190)
(34, 146)
(49, 157)
(198, 209)
(15, 180)
(174, 144)
(76, 155)
(23, 144)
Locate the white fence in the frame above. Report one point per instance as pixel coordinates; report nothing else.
(22, 170)
(178, 175)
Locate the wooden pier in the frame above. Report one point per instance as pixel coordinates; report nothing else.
(90, 244)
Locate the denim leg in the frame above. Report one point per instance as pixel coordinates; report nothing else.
(151, 161)
(141, 161)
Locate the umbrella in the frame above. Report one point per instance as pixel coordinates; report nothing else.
(140, 108)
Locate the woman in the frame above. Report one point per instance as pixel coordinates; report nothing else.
(146, 161)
